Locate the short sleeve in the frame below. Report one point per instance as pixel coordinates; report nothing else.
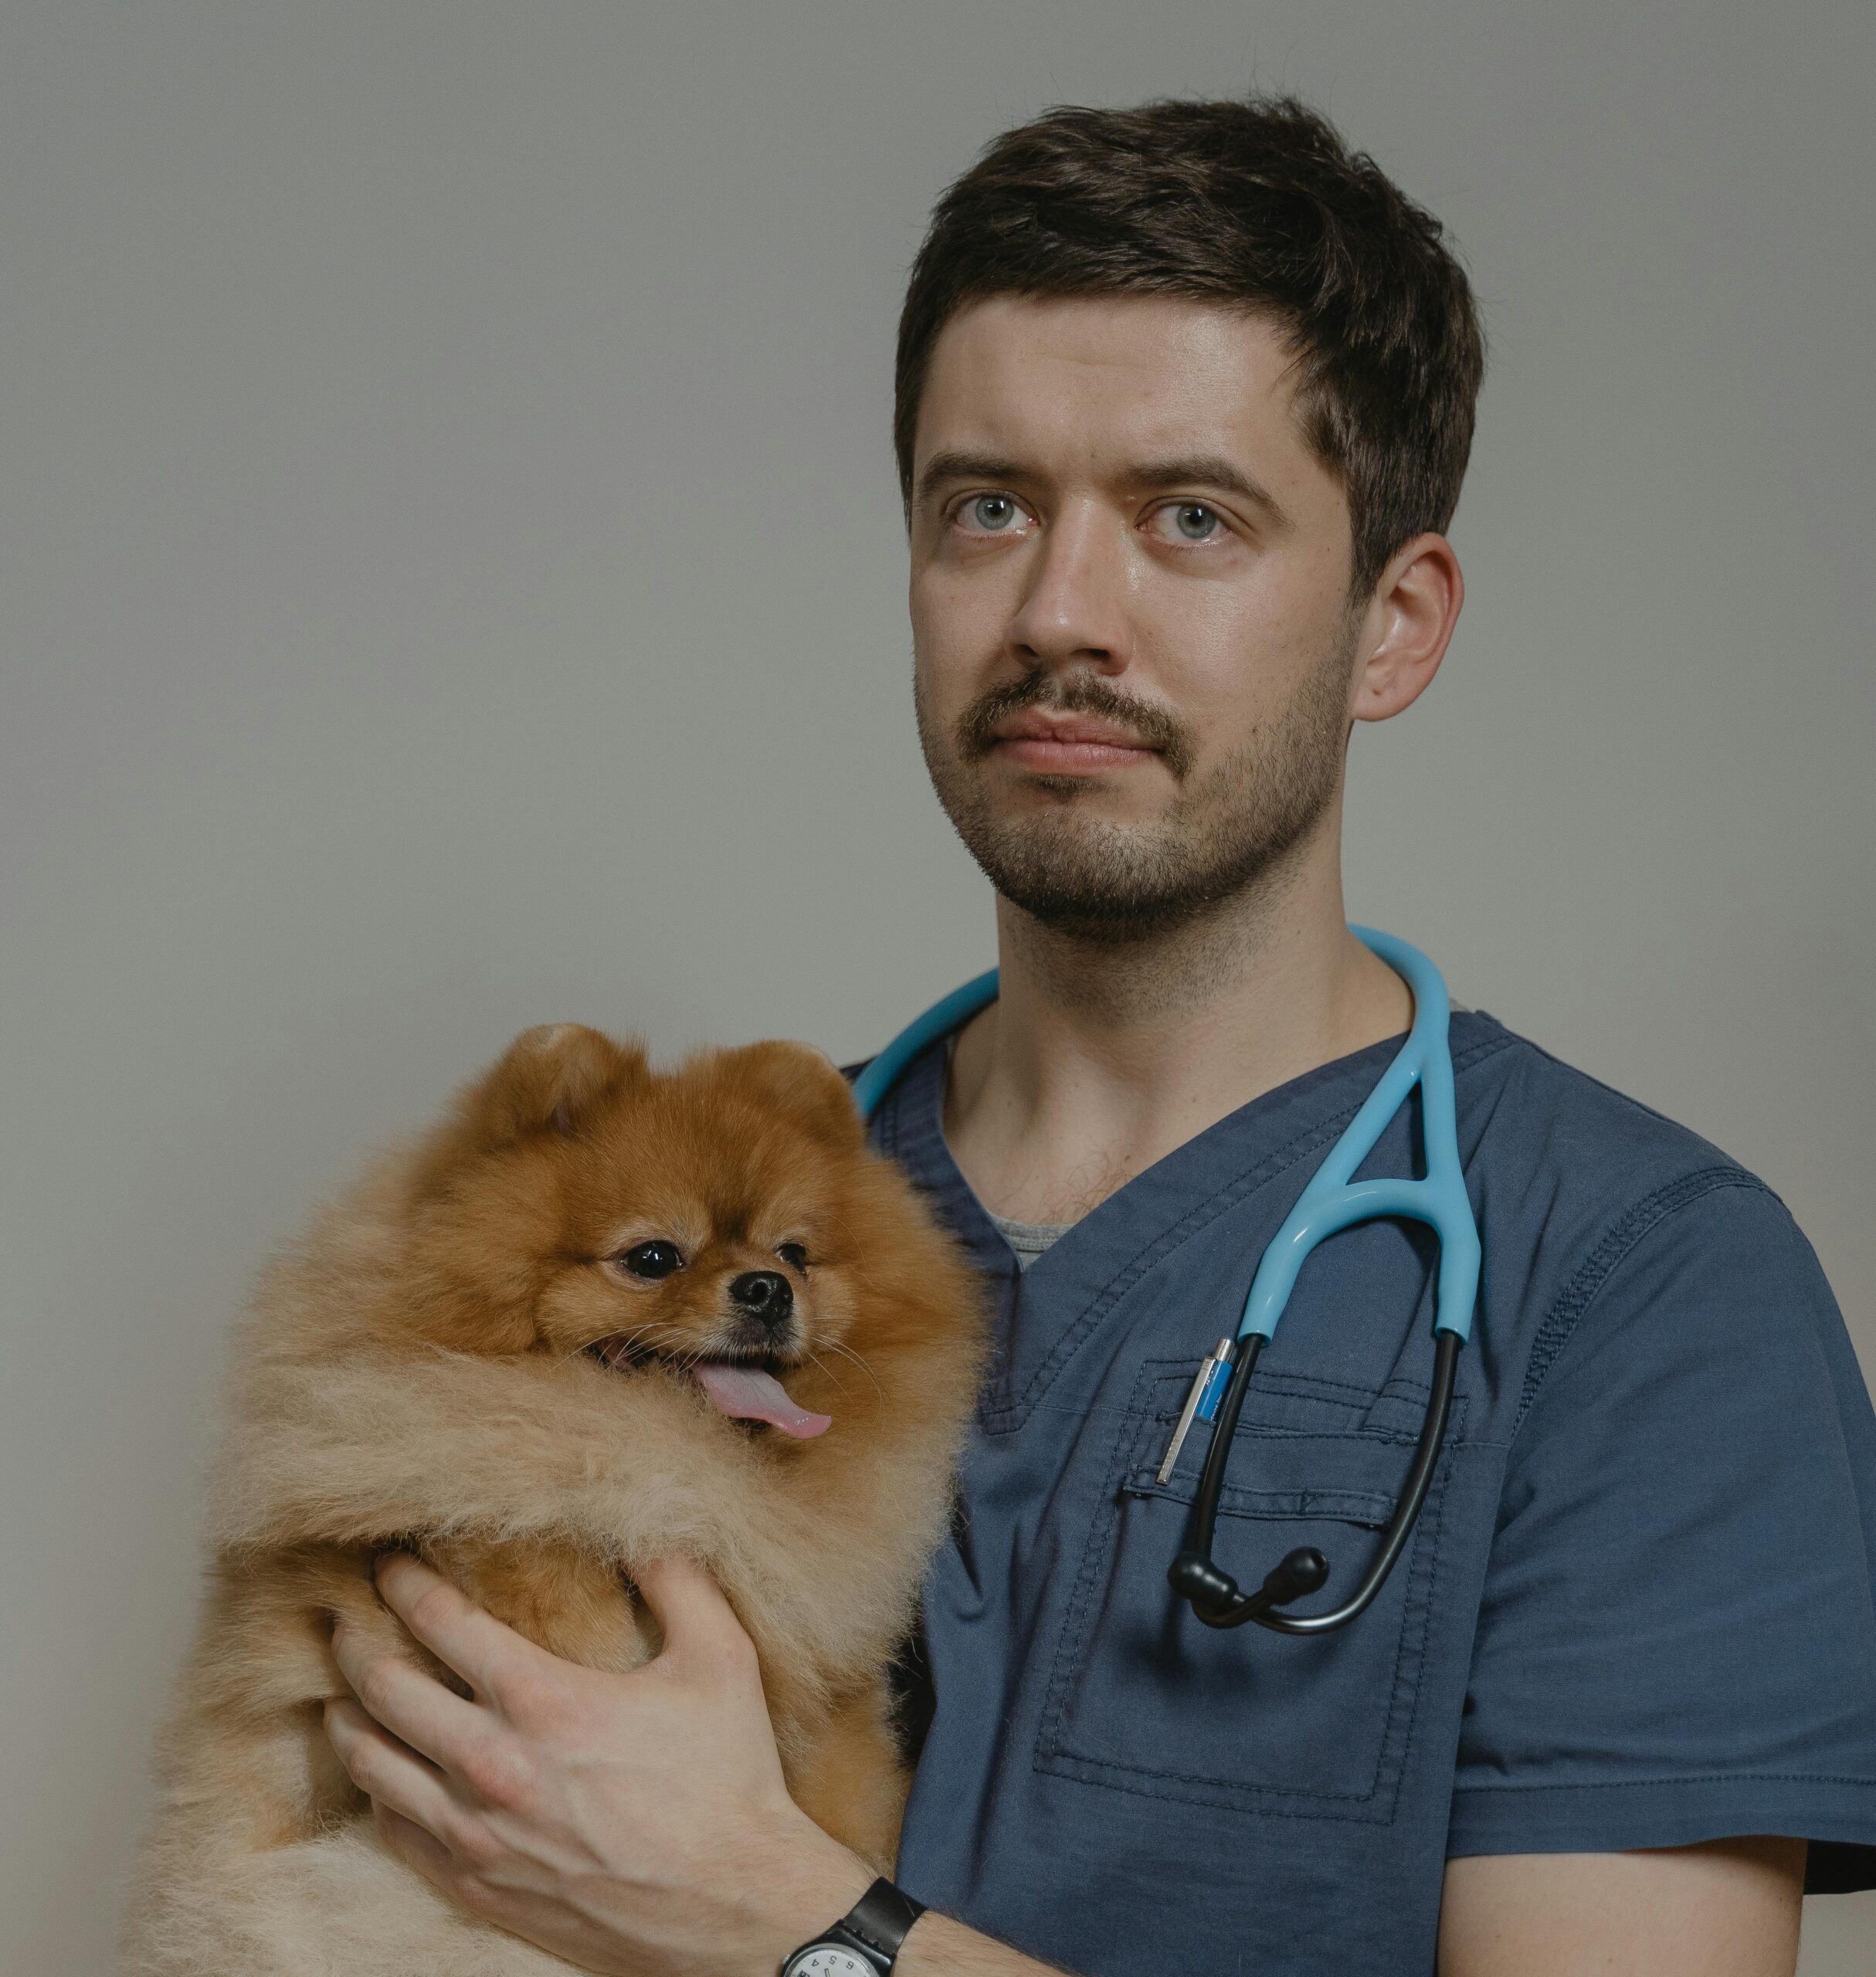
(1677, 1639)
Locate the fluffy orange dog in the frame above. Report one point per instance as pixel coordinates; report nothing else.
(599, 1314)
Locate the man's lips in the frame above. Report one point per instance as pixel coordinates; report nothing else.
(1070, 744)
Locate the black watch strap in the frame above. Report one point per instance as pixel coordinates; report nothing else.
(880, 1917)
(876, 1925)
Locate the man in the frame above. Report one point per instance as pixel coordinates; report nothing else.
(1185, 397)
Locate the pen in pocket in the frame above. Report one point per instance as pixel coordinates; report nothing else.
(1202, 1400)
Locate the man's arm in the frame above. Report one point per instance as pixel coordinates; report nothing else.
(1726, 1909)
(638, 1824)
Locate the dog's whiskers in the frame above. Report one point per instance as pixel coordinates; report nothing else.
(646, 1332)
(847, 1352)
(827, 1369)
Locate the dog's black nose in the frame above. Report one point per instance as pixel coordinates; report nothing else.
(766, 1294)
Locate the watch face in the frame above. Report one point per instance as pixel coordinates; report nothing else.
(828, 1960)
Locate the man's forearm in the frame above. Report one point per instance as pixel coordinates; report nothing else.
(938, 1947)
(824, 1881)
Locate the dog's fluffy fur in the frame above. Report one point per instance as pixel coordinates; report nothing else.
(465, 1358)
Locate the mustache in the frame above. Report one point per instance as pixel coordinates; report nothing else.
(1080, 693)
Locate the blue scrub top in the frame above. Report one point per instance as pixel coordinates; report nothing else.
(1636, 1611)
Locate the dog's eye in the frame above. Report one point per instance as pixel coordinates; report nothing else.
(651, 1260)
(794, 1255)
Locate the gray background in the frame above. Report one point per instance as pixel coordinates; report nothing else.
(450, 578)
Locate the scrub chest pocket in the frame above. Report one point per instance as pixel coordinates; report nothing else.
(1144, 1698)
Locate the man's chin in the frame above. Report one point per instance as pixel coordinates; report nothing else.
(1102, 898)
(1076, 855)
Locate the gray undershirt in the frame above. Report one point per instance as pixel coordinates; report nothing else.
(1029, 1239)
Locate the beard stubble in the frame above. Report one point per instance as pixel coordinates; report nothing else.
(1227, 831)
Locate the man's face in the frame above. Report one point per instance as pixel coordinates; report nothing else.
(1134, 647)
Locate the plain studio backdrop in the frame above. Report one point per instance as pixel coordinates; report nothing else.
(451, 579)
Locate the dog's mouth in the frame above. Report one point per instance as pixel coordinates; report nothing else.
(743, 1389)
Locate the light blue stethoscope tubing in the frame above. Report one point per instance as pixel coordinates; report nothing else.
(1332, 1202)
(940, 1020)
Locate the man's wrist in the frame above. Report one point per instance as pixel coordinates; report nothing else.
(817, 1883)
(865, 1942)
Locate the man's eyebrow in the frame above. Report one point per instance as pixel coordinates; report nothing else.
(1208, 470)
(960, 465)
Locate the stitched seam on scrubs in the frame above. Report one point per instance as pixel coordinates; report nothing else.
(1005, 1416)
(1561, 1320)
(1173, 1377)
(1371, 1508)
(1228, 1797)
(1398, 1385)
(1679, 1778)
(1051, 1756)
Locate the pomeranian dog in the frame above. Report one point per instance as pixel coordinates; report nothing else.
(598, 1314)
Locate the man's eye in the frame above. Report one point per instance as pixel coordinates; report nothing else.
(990, 514)
(1188, 521)
(794, 1254)
(651, 1260)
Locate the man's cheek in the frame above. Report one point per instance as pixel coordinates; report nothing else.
(944, 684)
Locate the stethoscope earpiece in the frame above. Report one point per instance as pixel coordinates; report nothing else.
(1214, 1594)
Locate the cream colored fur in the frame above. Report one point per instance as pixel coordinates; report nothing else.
(537, 1479)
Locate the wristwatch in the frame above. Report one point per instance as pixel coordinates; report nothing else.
(865, 1942)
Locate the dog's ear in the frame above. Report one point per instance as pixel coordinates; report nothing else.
(544, 1083)
(547, 1081)
(801, 1081)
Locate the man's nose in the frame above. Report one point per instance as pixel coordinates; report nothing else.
(1075, 607)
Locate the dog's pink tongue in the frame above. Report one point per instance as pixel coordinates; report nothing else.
(749, 1394)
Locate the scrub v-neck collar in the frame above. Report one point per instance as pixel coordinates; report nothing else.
(1066, 1292)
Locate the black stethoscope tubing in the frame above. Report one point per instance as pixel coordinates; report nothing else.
(1195, 1576)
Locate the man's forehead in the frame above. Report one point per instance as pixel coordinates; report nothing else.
(1098, 384)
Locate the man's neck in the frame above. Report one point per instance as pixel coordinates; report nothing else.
(1099, 1058)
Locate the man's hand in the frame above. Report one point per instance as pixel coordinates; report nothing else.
(637, 1824)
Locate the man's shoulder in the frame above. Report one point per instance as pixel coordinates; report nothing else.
(1624, 1245)
(1577, 1181)
(1526, 1103)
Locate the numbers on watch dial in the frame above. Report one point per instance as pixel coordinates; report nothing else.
(827, 1960)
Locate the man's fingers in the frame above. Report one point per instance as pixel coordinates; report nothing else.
(415, 1847)
(450, 1625)
(698, 1623)
(389, 1772)
(413, 1706)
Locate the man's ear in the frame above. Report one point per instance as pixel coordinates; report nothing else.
(1410, 619)
(546, 1081)
(800, 1080)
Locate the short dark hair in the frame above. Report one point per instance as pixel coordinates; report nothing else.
(1259, 205)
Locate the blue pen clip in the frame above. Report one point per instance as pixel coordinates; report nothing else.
(1219, 1378)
